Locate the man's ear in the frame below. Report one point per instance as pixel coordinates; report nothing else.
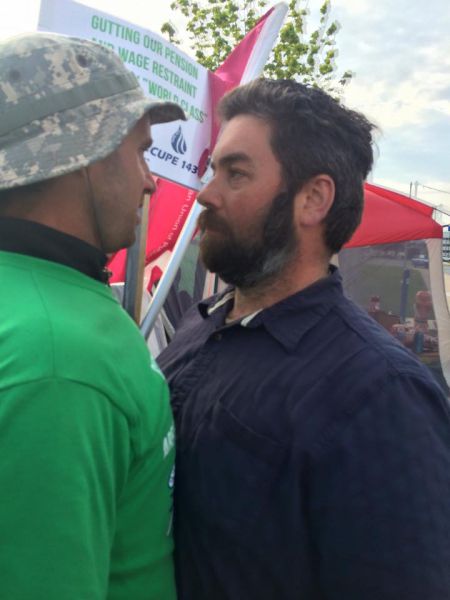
(314, 200)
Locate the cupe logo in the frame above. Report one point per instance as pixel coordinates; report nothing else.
(178, 142)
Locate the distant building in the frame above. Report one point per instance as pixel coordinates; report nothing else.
(446, 244)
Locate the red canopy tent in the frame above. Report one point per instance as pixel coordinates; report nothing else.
(392, 267)
(391, 217)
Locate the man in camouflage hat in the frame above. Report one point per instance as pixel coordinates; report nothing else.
(85, 427)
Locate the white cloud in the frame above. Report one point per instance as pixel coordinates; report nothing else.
(406, 104)
(355, 7)
(406, 96)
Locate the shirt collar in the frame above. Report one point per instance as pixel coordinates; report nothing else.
(309, 306)
(27, 237)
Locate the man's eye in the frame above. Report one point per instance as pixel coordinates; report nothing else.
(234, 174)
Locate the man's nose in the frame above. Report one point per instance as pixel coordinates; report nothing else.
(209, 195)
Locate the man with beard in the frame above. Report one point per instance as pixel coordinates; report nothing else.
(313, 451)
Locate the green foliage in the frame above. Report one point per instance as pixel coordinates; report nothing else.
(215, 27)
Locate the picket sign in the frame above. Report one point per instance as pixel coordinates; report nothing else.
(164, 72)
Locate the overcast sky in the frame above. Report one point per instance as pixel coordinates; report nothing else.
(400, 54)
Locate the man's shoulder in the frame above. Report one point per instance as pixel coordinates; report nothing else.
(61, 323)
(351, 358)
(355, 367)
(367, 362)
(337, 336)
(370, 339)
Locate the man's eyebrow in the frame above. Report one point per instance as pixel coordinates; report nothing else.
(228, 159)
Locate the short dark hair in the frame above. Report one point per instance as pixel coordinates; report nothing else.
(312, 133)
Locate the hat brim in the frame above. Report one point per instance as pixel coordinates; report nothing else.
(165, 112)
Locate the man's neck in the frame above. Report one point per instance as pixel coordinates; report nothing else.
(290, 281)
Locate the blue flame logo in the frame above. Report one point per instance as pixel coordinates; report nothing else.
(178, 143)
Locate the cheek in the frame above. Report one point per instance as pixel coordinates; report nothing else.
(249, 213)
(133, 181)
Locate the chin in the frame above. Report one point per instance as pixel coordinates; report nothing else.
(125, 243)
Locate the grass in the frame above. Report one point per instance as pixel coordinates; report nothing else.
(385, 280)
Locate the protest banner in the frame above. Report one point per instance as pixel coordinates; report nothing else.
(164, 72)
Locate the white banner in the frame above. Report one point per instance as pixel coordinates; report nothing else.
(164, 72)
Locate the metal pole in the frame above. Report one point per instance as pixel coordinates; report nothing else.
(404, 295)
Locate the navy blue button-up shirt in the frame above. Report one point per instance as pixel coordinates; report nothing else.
(313, 457)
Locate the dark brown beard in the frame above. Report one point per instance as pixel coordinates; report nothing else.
(255, 258)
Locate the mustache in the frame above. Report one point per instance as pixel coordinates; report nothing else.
(208, 219)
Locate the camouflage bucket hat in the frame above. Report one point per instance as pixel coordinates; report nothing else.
(64, 104)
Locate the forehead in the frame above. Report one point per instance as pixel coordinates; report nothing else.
(139, 133)
(247, 135)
